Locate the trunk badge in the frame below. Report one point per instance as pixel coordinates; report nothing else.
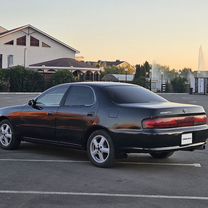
(166, 112)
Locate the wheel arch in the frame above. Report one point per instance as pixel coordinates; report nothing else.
(8, 119)
(3, 118)
(90, 131)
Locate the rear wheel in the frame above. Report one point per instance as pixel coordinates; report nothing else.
(100, 149)
(8, 139)
(161, 155)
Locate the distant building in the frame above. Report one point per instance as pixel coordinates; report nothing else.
(117, 63)
(159, 78)
(201, 82)
(118, 77)
(81, 70)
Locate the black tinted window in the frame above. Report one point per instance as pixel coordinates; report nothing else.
(132, 94)
(52, 97)
(80, 95)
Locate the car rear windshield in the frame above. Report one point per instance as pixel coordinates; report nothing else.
(132, 94)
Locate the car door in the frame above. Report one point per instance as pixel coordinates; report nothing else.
(39, 119)
(76, 115)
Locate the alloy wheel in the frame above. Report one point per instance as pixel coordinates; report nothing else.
(99, 148)
(5, 135)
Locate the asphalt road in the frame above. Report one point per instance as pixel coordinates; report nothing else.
(47, 177)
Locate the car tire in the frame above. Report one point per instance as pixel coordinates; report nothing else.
(8, 138)
(100, 149)
(161, 155)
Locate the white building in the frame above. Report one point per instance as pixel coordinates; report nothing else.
(159, 78)
(201, 82)
(28, 45)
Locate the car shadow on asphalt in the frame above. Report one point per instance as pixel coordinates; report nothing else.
(140, 161)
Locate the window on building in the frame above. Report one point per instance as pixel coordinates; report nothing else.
(21, 41)
(45, 45)
(34, 41)
(10, 60)
(10, 43)
(1, 58)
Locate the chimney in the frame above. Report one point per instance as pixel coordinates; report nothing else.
(2, 29)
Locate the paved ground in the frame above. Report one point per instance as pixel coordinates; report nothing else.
(39, 176)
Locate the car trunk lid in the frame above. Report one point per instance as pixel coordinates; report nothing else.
(166, 109)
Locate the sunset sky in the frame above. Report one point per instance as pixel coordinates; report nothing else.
(168, 32)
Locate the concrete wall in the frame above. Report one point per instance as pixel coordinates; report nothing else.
(33, 54)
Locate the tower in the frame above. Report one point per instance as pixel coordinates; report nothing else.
(201, 61)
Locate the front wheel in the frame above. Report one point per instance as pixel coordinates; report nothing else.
(161, 155)
(8, 139)
(100, 149)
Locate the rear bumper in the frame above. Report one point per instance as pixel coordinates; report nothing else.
(159, 140)
(190, 147)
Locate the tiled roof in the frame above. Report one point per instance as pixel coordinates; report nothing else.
(64, 62)
(105, 63)
(112, 63)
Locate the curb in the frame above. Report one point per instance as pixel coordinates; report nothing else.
(20, 93)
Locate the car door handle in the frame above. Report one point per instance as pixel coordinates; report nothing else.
(91, 114)
(50, 113)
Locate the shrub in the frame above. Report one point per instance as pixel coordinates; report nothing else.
(23, 80)
(4, 83)
(19, 79)
(62, 76)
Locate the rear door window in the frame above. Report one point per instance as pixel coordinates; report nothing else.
(80, 96)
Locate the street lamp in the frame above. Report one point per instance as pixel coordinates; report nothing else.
(150, 78)
(25, 51)
(126, 70)
(162, 81)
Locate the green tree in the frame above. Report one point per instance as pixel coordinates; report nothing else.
(17, 76)
(142, 75)
(168, 87)
(179, 84)
(62, 76)
(4, 84)
(113, 70)
(33, 82)
(139, 77)
(185, 72)
(24, 80)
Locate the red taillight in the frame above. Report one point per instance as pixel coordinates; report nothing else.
(173, 122)
(200, 120)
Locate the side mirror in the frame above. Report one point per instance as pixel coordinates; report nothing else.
(31, 103)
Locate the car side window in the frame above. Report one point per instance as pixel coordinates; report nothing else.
(53, 97)
(80, 96)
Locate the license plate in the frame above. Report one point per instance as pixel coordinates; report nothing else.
(186, 139)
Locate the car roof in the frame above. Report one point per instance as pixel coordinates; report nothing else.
(97, 84)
